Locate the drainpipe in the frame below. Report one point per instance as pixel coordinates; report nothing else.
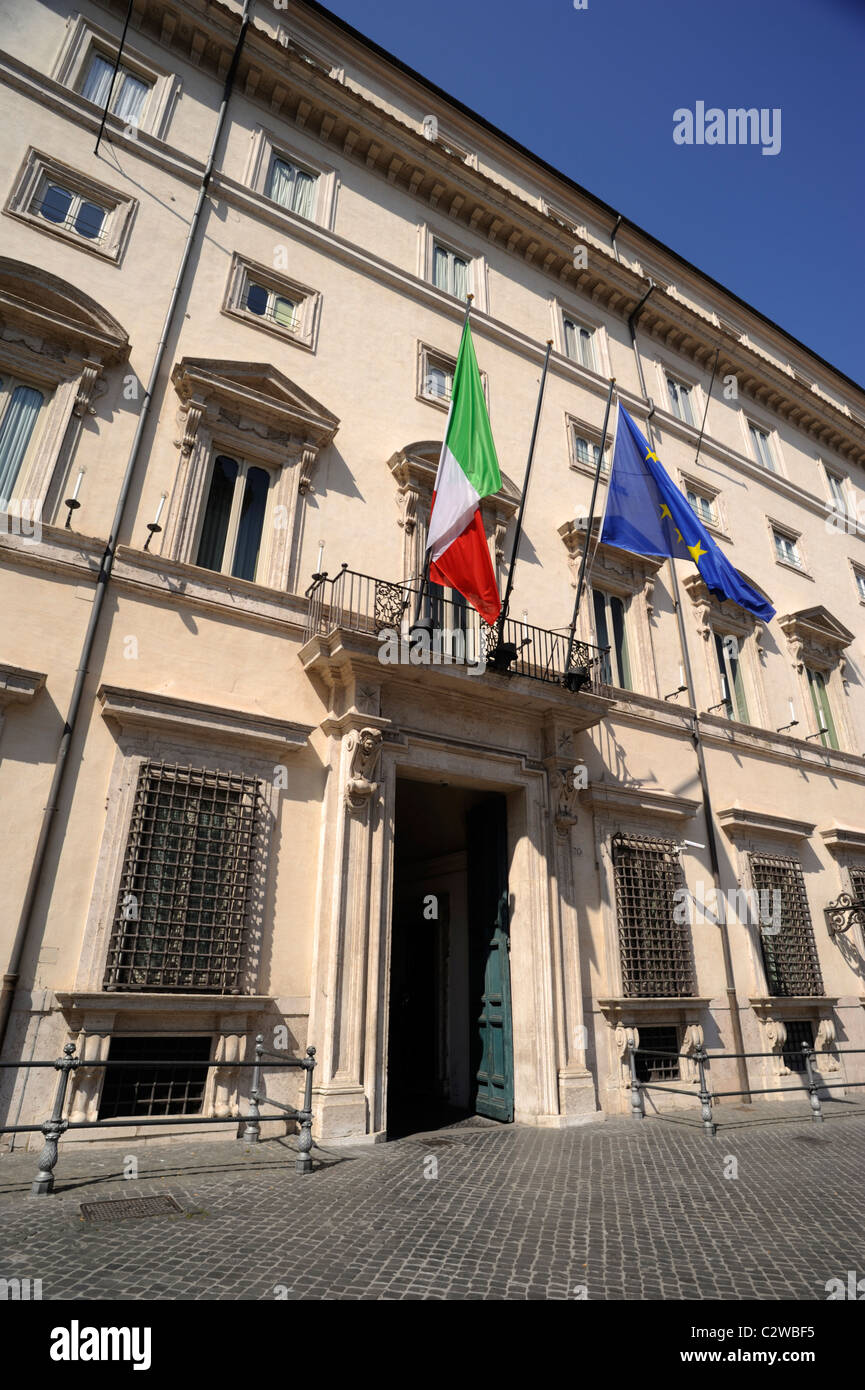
(10, 978)
(616, 225)
(729, 977)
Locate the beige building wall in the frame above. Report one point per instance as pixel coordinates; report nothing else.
(201, 669)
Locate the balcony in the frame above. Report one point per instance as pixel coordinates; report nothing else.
(385, 612)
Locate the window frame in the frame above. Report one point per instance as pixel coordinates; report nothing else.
(428, 237)
(735, 696)
(821, 708)
(82, 41)
(243, 273)
(439, 244)
(578, 429)
(616, 660)
(690, 398)
(267, 147)
(429, 359)
(21, 491)
(754, 428)
(858, 580)
(794, 538)
(120, 209)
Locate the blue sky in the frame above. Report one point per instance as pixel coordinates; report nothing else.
(593, 92)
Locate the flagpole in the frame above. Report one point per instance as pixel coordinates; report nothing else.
(424, 583)
(708, 814)
(497, 655)
(582, 575)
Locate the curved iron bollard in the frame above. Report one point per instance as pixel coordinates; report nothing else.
(252, 1129)
(303, 1162)
(813, 1085)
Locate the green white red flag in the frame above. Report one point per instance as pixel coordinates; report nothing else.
(468, 471)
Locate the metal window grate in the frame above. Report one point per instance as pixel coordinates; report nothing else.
(663, 1068)
(799, 1031)
(183, 904)
(857, 883)
(142, 1090)
(790, 955)
(655, 948)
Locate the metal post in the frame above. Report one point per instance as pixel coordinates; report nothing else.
(252, 1130)
(114, 76)
(701, 1059)
(813, 1085)
(638, 1109)
(43, 1183)
(581, 579)
(303, 1163)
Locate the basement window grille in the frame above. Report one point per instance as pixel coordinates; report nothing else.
(137, 1089)
(790, 955)
(655, 948)
(658, 1068)
(857, 884)
(799, 1031)
(183, 904)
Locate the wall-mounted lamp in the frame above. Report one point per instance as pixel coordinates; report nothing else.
(153, 526)
(72, 502)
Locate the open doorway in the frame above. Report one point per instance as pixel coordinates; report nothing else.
(450, 1045)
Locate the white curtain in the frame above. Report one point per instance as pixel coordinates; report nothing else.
(304, 186)
(460, 278)
(98, 80)
(129, 99)
(15, 431)
(281, 182)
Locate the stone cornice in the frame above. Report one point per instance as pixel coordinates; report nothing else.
(282, 80)
(840, 838)
(613, 798)
(77, 1003)
(742, 820)
(58, 551)
(18, 686)
(170, 581)
(137, 709)
(765, 743)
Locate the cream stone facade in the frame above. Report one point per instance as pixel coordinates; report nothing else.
(293, 433)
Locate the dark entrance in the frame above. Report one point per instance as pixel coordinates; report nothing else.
(450, 1045)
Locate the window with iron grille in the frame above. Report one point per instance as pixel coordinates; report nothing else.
(183, 905)
(663, 1066)
(857, 884)
(789, 955)
(137, 1089)
(799, 1031)
(655, 948)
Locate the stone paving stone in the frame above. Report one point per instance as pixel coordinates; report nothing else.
(630, 1210)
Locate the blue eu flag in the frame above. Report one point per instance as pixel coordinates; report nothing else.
(646, 513)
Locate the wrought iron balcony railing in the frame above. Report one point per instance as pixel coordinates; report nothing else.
(377, 607)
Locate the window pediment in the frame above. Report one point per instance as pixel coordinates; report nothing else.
(255, 397)
(617, 571)
(815, 637)
(721, 615)
(47, 308)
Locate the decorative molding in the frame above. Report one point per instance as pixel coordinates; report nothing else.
(741, 820)
(815, 638)
(564, 792)
(18, 686)
(637, 801)
(363, 747)
(841, 839)
(168, 716)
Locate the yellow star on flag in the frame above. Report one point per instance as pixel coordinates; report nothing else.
(678, 534)
(697, 550)
(665, 511)
(652, 455)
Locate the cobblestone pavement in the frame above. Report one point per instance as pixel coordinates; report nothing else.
(621, 1209)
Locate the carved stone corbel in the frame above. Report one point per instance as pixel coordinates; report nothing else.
(308, 457)
(364, 749)
(626, 1036)
(825, 1044)
(407, 500)
(190, 415)
(692, 1042)
(564, 790)
(776, 1037)
(90, 374)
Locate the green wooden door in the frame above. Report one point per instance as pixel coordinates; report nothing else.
(493, 1048)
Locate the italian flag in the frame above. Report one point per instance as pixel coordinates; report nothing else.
(468, 470)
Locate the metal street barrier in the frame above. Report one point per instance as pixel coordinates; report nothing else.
(814, 1084)
(56, 1126)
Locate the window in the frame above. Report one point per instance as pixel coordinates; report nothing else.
(587, 453)
(585, 449)
(730, 673)
(182, 908)
(836, 491)
(233, 525)
(857, 885)
(268, 304)
(786, 549)
(703, 506)
(141, 1090)
(291, 187)
(790, 956)
(681, 400)
(130, 92)
(19, 411)
(799, 1031)
(450, 271)
(655, 947)
(610, 632)
(762, 448)
(439, 382)
(579, 344)
(70, 210)
(859, 576)
(660, 1067)
(61, 201)
(822, 710)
